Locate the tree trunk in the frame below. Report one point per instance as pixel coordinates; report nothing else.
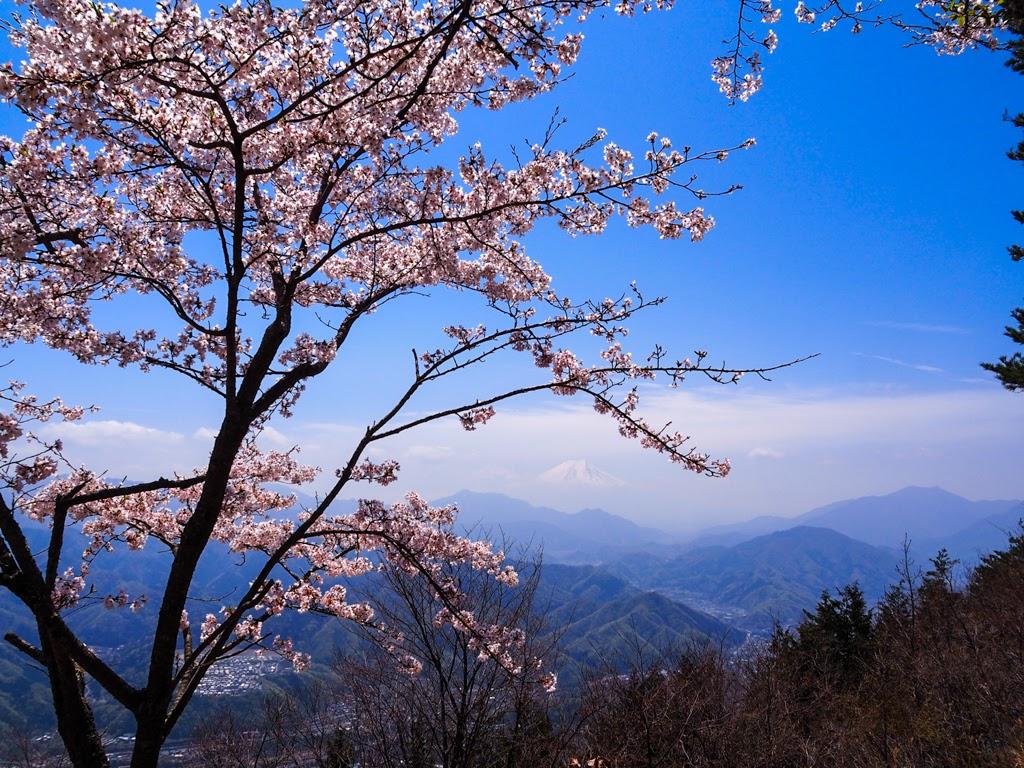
(75, 722)
(148, 741)
(152, 715)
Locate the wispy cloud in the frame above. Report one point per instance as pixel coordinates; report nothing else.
(903, 363)
(207, 434)
(765, 453)
(103, 431)
(792, 450)
(127, 448)
(272, 438)
(428, 452)
(917, 327)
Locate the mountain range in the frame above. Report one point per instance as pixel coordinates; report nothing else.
(598, 615)
(767, 579)
(764, 570)
(607, 583)
(928, 517)
(585, 537)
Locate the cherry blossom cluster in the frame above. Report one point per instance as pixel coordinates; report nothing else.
(475, 416)
(739, 73)
(381, 473)
(949, 26)
(26, 460)
(123, 600)
(954, 27)
(67, 590)
(412, 535)
(136, 515)
(256, 180)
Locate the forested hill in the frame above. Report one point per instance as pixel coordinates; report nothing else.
(595, 612)
(600, 613)
(767, 579)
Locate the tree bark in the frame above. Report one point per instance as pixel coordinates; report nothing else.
(75, 722)
(148, 741)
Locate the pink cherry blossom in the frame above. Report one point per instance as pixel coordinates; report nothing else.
(297, 144)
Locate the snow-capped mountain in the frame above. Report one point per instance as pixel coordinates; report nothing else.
(579, 472)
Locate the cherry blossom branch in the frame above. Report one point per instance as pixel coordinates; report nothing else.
(715, 374)
(28, 584)
(298, 139)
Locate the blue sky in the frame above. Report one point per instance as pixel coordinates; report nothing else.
(872, 229)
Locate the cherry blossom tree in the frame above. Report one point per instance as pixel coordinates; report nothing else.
(295, 141)
(259, 178)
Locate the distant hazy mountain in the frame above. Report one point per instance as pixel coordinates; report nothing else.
(735, 533)
(920, 513)
(769, 577)
(925, 515)
(979, 538)
(588, 536)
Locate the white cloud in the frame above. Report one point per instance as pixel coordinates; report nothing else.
(274, 439)
(428, 452)
(791, 450)
(128, 449)
(764, 453)
(102, 431)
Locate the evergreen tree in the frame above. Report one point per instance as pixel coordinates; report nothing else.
(940, 577)
(1010, 368)
(1005, 565)
(837, 636)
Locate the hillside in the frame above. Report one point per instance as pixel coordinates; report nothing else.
(980, 537)
(769, 577)
(597, 611)
(602, 614)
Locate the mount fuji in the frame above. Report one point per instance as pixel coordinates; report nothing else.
(579, 472)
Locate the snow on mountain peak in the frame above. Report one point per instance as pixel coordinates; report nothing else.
(579, 472)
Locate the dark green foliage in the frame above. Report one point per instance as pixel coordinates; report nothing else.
(1010, 368)
(660, 716)
(836, 639)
